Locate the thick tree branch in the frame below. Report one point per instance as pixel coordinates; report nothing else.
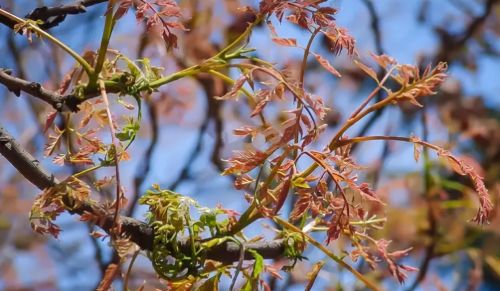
(24, 162)
(138, 232)
(17, 85)
(58, 101)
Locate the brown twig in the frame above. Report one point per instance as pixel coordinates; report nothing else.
(17, 85)
(59, 102)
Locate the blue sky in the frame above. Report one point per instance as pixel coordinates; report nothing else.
(403, 38)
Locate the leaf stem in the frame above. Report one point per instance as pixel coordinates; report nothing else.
(104, 95)
(86, 171)
(106, 36)
(239, 39)
(306, 54)
(129, 270)
(88, 69)
(173, 77)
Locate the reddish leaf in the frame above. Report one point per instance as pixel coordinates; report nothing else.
(245, 131)
(54, 141)
(369, 71)
(285, 41)
(324, 62)
(66, 82)
(259, 107)
(50, 120)
(233, 93)
(122, 8)
(301, 206)
(384, 60)
(245, 161)
(272, 29)
(283, 194)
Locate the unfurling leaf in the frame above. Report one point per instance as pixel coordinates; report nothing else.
(285, 41)
(54, 141)
(245, 161)
(324, 62)
(50, 120)
(462, 168)
(122, 8)
(233, 93)
(258, 267)
(369, 71)
(417, 148)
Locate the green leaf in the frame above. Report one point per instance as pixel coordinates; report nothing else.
(213, 242)
(300, 182)
(132, 67)
(129, 131)
(258, 267)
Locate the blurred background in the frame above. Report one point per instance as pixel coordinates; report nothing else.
(186, 133)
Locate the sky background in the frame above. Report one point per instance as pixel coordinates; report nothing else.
(71, 257)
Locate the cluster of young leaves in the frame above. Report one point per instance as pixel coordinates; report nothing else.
(25, 29)
(77, 139)
(312, 16)
(170, 215)
(159, 15)
(49, 204)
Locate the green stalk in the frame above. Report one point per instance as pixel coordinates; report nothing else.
(172, 77)
(239, 39)
(88, 69)
(193, 70)
(129, 271)
(86, 171)
(106, 36)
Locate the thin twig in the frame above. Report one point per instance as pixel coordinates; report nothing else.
(116, 156)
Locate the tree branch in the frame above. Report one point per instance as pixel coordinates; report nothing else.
(138, 232)
(16, 85)
(58, 101)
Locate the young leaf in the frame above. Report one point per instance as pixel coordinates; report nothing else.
(285, 41)
(369, 71)
(324, 62)
(258, 267)
(50, 120)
